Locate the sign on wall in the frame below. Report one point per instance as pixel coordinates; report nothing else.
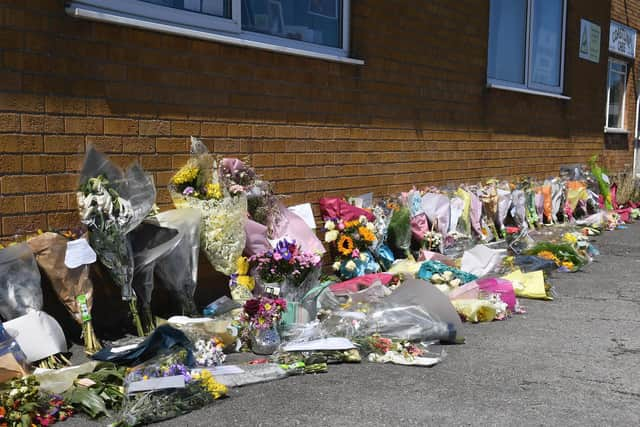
(590, 35)
(622, 40)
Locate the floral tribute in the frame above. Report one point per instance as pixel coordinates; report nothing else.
(351, 242)
(24, 405)
(263, 312)
(287, 261)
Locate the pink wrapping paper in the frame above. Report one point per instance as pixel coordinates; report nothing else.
(356, 284)
(427, 255)
(333, 207)
(293, 227)
(502, 287)
(257, 242)
(419, 226)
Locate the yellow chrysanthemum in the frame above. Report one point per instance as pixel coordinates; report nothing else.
(366, 234)
(568, 264)
(185, 175)
(570, 238)
(548, 255)
(216, 389)
(345, 245)
(351, 224)
(213, 191)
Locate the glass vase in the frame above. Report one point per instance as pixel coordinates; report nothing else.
(265, 341)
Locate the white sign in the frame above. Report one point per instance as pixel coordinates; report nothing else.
(590, 35)
(79, 253)
(160, 383)
(622, 40)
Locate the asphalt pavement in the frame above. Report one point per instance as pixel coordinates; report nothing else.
(570, 362)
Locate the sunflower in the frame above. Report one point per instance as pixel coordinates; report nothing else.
(345, 245)
(351, 224)
(366, 234)
(549, 255)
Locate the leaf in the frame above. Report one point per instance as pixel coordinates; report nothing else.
(86, 400)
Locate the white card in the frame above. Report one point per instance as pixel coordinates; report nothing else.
(175, 381)
(79, 253)
(331, 343)
(305, 212)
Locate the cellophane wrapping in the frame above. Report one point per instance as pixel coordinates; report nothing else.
(20, 290)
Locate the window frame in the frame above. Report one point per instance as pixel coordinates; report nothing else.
(528, 84)
(140, 14)
(622, 128)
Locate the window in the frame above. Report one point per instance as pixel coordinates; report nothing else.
(317, 28)
(526, 44)
(616, 93)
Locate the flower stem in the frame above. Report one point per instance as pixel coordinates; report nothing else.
(136, 317)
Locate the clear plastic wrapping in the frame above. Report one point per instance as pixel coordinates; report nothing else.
(111, 204)
(222, 232)
(20, 289)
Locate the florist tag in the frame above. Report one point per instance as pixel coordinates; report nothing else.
(79, 253)
(84, 310)
(175, 381)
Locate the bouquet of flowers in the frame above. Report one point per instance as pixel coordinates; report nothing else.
(197, 185)
(258, 323)
(196, 390)
(20, 290)
(22, 404)
(602, 180)
(73, 286)
(288, 265)
(563, 254)
(209, 352)
(262, 204)
(351, 242)
(112, 203)
(402, 352)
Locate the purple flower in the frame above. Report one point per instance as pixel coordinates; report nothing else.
(188, 191)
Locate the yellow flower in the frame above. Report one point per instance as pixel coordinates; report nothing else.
(213, 191)
(345, 245)
(570, 238)
(351, 224)
(549, 255)
(185, 175)
(267, 306)
(568, 264)
(216, 389)
(366, 234)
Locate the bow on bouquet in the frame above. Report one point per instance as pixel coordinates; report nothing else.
(112, 203)
(196, 185)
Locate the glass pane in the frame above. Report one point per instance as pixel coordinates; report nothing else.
(313, 21)
(507, 40)
(617, 83)
(208, 7)
(546, 42)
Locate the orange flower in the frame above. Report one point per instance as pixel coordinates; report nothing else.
(345, 245)
(3, 411)
(366, 234)
(350, 224)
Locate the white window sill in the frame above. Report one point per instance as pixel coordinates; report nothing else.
(616, 130)
(527, 91)
(80, 11)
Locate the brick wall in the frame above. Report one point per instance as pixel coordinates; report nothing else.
(418, 112)
(620, 155)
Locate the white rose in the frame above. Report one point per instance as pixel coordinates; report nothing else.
(363, 257)
(371, 227)
(362, 219)
(329, 225)
(350, 265)
(336, 266)
(455, 283)
(331, 236)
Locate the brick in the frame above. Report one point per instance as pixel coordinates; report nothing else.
(215, 129)
(56, 104)
(139, 145)
(31, 123)
(39, 163)
(73, 163)
(106, 144)
(239, 130)
(154, 127)
(63, 220)
(162, 178)
(46, 203)
(21, 102)
(98, 107)
(17, 143)
(64, 143)
(24, 224)
(15, 184)
(11, 205)
(53, 124)
(83, 125)
(10, 163)
(157, 162)
(62, 182)
(120, 126)
(172, 145)
(9, 122)
(183, 128)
